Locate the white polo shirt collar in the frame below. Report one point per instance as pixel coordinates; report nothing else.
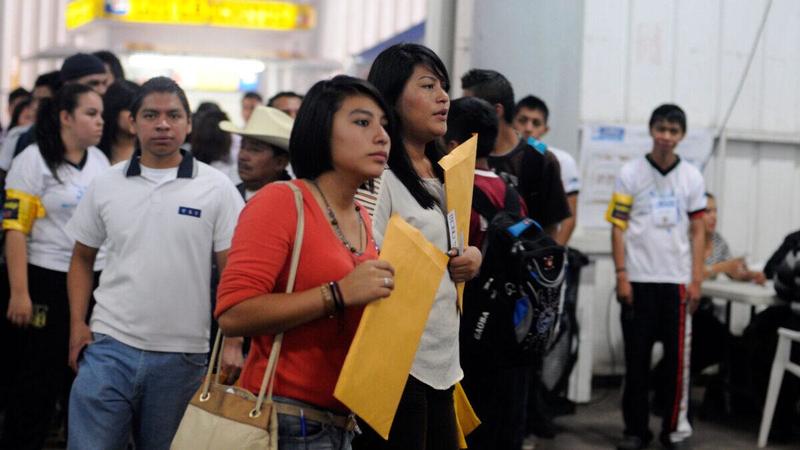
(186, 169)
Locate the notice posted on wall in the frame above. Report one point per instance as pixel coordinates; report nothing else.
(606, 148)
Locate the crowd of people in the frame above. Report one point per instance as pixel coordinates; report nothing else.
(133, 227)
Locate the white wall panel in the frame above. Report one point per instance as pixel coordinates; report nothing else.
(604, 62)
(734, 219)
(740, 20)
(697, 42)
(639, 53)
(650, 57)
(781, 92)
(774, 209)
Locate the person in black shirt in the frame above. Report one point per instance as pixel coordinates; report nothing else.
(532, 170)
(791, 242)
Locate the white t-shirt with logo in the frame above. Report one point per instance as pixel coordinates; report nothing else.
(657, 247)
(570, 175)
(49, 245)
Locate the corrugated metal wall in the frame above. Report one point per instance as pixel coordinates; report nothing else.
(640, 53)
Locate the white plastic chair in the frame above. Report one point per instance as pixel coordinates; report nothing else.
(780, 364)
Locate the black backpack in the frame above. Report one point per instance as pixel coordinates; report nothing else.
(511, 309)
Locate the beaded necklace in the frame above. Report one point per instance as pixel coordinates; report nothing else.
(335, 223)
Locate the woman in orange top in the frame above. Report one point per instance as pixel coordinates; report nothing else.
(339, 142)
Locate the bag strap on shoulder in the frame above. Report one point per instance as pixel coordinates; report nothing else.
(269, 372)
(272, 364)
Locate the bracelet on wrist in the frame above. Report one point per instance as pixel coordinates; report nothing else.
(337, 296)
(620, 270)
(328, 301)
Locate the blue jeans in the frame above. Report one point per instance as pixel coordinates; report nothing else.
(317, 436)
(121, 391)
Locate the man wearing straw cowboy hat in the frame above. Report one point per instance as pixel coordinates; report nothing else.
(263, 158)
(264, 153)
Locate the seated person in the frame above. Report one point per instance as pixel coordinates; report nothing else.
(717, 255)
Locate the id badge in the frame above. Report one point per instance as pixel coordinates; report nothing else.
(665, 210)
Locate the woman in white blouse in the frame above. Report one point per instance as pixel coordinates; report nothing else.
(414, 82)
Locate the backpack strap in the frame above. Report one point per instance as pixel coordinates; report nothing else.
(484, 206)
(511, 203)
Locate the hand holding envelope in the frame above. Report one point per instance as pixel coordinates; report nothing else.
(375, 371)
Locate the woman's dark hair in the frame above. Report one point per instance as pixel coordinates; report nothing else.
(162, 85)
(310, 141)
(118, 98)
(209, 143)
(113, 63)
(48, 123)
(18, 109)
(389, 73)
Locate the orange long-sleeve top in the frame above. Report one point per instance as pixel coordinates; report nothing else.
(312, 354)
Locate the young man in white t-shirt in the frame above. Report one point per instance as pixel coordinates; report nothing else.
(657, 243)
(160, 215)
(530, 121)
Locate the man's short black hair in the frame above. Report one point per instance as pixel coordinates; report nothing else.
(272, 99)
(469, 115)
(161, 85)
(19, 92)
(491, 86)
(49, 79)
(670, 113)
(254, 95)
(535, 103)
(113, 63)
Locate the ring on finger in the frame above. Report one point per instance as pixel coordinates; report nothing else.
(386, 281)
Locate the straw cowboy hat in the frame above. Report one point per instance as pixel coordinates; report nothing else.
(267, 124)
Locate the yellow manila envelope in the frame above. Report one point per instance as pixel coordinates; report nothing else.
(466, 420)
(459, 179)
(377, 365)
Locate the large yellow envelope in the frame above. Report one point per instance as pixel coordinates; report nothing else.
(459, 179)
(376, 368)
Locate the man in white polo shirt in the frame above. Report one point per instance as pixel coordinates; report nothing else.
(657, 243)
(160, 215)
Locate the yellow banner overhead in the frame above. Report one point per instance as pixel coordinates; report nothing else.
(81, 12)
(255, 14)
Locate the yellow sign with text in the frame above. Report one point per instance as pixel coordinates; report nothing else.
(254, 14)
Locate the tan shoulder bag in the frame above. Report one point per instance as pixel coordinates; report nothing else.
(221, 417)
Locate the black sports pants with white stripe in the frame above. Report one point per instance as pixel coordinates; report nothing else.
(659, 313)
